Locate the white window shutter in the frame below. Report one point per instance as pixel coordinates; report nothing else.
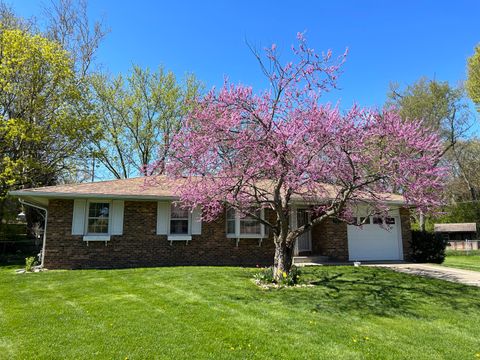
(197, 221)
(163, 215)
(117, 217)
(78, 221)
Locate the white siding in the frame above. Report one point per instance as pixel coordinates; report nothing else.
(117, 217)
(78, 221)
(163, 216)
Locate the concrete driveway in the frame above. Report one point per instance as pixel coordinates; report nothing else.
(467, 277)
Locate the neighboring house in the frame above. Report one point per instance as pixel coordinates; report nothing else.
(121, 223)
(458, 235)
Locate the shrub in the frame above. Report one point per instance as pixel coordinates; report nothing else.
(428, 247)
(265, 276)
(29, 263)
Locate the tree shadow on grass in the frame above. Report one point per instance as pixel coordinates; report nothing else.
(380, 292)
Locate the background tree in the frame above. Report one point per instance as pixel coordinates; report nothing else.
(438, 105)
(46, 117)
(473, 78)
(248, 151)
(441, 108)
(69, 25)
(464, 184)
(139, 117)
(40, 128)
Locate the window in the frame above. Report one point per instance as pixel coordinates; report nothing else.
(390, 221)
(244, 226)
(179, 219)
(231, 220)
(377, 220)
(249, 225)
(98, 217)
(365, 220)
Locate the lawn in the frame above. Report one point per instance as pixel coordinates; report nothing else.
(219, 313)
(463, 260)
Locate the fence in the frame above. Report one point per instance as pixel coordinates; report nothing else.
(463, 245)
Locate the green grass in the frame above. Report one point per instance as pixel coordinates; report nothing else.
(463, 260)
(219, 313)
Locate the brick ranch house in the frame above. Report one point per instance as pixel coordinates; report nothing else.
(121, 223)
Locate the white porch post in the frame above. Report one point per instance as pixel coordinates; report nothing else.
(293, 225)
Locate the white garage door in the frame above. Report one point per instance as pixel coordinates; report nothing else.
(373, 242)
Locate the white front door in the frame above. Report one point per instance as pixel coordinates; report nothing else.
(304, 241)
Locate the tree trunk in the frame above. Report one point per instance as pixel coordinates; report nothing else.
(283, 260)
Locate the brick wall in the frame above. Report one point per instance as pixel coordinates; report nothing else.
(140, 246)
(330, 239)
(406, 233)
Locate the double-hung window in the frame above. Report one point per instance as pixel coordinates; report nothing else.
(179, 220)
(98, 218)
(244, 226)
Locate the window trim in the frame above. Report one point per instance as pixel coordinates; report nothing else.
(237, 234)
(93, 236)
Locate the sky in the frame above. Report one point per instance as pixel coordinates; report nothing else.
(388, 41)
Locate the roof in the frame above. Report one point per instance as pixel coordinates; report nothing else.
(121, 188)
(146, 188)
(455, 227)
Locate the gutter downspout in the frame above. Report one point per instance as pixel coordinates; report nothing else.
(44, 227)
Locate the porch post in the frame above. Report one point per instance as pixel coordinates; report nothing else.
(293, 226)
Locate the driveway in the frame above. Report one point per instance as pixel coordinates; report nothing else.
(467, 277)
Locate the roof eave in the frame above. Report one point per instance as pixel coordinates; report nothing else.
(70, 195)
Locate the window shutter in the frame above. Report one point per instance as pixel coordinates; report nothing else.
(197, 221)
(78, 221)
(117, 217)
(163, 215)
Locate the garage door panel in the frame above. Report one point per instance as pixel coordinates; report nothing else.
(372, 242)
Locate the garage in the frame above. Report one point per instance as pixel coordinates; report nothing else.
(374, 242)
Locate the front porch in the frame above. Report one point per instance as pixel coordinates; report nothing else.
(327, 242)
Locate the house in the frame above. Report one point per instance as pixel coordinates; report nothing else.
(458, 235)
(121, 223)
(456, 231)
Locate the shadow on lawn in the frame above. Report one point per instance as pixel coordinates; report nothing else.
(381, 292)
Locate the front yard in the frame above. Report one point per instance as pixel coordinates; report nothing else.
(218, 313)
(463, 260)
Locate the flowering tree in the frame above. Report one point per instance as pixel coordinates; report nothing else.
(249, 151)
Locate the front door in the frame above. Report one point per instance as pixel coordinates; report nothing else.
(304, 241)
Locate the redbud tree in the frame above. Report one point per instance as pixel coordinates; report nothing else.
(248, 150)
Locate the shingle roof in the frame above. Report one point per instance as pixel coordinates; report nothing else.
(140, 187)
(134, 187)
(455, 227)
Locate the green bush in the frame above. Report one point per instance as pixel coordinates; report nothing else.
(428, 247)
(29, 263)
(265, 276)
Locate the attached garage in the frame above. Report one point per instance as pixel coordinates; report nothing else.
(375, 242)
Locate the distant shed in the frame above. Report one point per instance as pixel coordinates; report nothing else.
(457, 231)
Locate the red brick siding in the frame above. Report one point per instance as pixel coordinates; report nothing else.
(140, 246)
(406, 233)
(330, 239)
